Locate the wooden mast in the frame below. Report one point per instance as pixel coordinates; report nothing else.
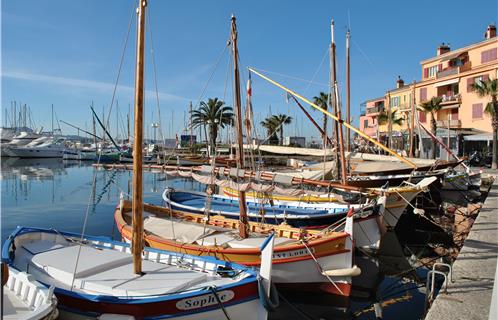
(337, 111)
(137, 240)
(333, 79)
(238, 111)
(348, 92)
(412, 120)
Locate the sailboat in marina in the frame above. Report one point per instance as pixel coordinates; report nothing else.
(95, 277)
(304, 260)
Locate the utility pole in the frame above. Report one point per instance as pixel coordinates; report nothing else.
(191, 130)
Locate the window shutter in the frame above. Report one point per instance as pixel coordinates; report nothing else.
(422, 116)
(477, 111)
(423, 94)
(439, 67)
(485, 77)
(470, 81)
(426, 72)
(493, 54)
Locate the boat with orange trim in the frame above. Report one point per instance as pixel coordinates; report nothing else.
(302, 259)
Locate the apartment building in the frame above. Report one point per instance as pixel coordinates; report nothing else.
(449, 75)
(369, 120)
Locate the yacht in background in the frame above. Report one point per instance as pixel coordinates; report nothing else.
(22, 139)
(43, 147)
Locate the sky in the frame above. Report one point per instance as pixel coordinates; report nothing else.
(68, 53)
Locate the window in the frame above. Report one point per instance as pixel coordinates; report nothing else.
(454, 114)
(472, 80)
(394, 101)
(431, 72)
(365, 123)
(488, 55)
(477, 111)
(423, 94)
(421, 116)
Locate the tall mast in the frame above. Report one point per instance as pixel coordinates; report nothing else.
(137, 242)
(52, 119)
(337, 111)
(412, 120)
(191, 129)
(240, 150)
(94, 130)
(333, 78)
(348, 83)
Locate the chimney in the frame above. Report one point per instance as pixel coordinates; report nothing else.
(399, 83)
(442, 49)
(490, 32)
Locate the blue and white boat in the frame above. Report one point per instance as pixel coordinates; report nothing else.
(298, 215)
(93, 276)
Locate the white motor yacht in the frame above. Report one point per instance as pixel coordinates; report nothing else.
(48, 147)
(19, 140)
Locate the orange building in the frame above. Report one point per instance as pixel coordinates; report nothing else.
(449, 75)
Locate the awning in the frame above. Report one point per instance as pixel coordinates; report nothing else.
(453, 56)
(479, 137)
(450, 106)
(447, 82)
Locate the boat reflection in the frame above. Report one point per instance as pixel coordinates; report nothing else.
(32, 169)
(387, 287)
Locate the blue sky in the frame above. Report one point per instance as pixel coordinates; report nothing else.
(67, 53)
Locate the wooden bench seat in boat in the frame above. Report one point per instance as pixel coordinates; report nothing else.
(233, 241)
(175, 229)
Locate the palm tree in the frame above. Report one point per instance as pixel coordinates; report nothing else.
(322, 101)
(490, 88)
(432, 106)
(213, 114)
(281, 120)
(271, 126)
(383, 118)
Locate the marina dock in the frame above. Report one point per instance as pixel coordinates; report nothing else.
(469, 295)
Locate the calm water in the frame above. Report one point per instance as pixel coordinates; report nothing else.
(56, 194)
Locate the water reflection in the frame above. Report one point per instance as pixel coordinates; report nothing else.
(52, 193)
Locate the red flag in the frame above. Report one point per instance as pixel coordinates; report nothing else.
(248, 120)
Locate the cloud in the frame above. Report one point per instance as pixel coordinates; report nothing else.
(87, 84)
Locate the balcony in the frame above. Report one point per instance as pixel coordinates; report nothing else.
(453, 123)
(375, 110)
(451, 99)
(449, 71)
(404, 106)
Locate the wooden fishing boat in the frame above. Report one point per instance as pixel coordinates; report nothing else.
(25, 298)
(397, 198)
(93, 276)
(305, 260)
(294, 214)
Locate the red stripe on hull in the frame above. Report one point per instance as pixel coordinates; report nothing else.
(242, 293)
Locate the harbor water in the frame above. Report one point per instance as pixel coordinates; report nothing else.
(53, 193)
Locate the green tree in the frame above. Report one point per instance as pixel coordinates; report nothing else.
(281, 120)
(489, 88)
(383, 118)
(213, 114)
(432, 106)
(322, 100)
(271, 126)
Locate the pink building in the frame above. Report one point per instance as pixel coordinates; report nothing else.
(368, 121)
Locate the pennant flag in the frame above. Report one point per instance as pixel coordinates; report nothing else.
(249, 114)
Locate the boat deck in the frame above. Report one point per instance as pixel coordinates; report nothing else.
(106, 271)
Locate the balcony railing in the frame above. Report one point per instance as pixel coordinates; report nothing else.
(376, 109)
(453, 70)
(451, 98)
(453, 123)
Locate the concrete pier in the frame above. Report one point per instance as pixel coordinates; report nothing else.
(474, 271)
